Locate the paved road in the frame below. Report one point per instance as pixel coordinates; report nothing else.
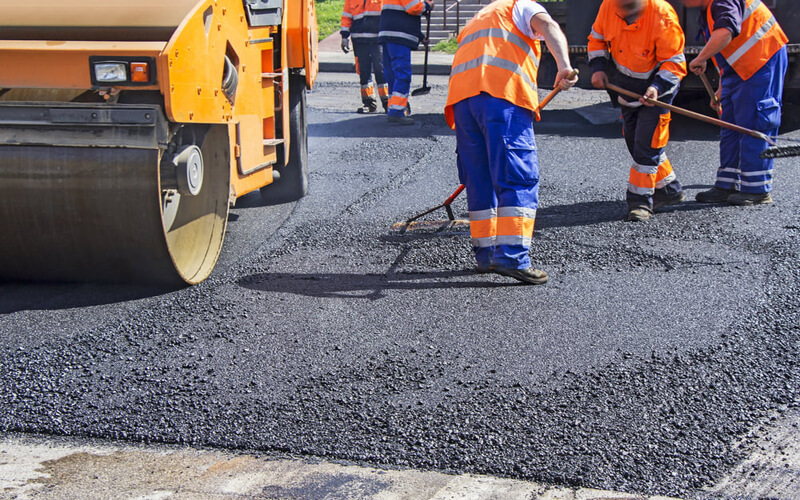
(643, 365)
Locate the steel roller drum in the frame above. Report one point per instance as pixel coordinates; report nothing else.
(89, 206)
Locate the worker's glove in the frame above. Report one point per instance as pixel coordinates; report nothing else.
(346, 45)
(600, 80)
(650, 93)
(716, 103)
(428, 7)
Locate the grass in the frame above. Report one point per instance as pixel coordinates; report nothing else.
(329, 16)
(448, 46)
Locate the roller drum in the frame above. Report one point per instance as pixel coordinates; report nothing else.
(89, 206)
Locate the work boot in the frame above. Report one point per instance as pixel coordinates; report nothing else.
(715, 195)
(385, 102)
(529, 276)
(639, 214)
(401, 120)
(483, 268)
(368, 107)
(408, 109)
(748, 199)
(663, 199)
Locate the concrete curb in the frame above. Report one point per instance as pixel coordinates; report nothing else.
(438, 63)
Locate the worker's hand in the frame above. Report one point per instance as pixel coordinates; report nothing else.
(650, 93)
(600, 80)
(698, 66)
(716, 103)
(564, 80)
(346, 45)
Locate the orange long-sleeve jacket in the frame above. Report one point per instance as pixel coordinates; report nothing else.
(649, 49)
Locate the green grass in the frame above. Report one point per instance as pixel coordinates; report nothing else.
(329, 16)
(448, 46)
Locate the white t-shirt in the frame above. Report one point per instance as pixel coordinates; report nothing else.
(524, 10)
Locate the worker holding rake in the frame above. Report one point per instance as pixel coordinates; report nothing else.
(491, 104)
(749, 47)
(644, 41)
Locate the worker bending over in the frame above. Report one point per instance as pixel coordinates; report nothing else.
(400, 33)
(645, 42)
(360, 21)
(749, 48)
(491, 104)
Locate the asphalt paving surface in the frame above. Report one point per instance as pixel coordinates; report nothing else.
(642, 366)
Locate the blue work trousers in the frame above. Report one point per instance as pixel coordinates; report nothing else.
(755, 104)
(498, 164)
(397, 69)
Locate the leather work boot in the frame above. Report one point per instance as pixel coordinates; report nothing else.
(385, 102)
(661, 199)
(748, 199)
(480, 269)
(639, 214)
(715, 195)
(529, 276)
(401, 120)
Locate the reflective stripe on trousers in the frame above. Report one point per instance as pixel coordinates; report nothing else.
(369, 61)
(498, 164)
(646, 131)
(397, 68)
(754, 104)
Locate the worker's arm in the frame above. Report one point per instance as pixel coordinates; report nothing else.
(599, 54)
(670, 43)
(544, 25)
(347, 23)
(419, 7)
(719, 39)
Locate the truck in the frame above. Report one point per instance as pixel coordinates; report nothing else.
(129, 128)
(577, 16)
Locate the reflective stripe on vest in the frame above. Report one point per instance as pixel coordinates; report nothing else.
(760, 38)
(494, 57)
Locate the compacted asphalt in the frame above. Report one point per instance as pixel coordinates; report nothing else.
(643, 366)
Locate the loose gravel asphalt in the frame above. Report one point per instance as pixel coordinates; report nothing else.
(642, 366)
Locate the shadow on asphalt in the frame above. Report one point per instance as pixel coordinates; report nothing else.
(361, 286)
(597, 212)
(377, 126)
(15, 297)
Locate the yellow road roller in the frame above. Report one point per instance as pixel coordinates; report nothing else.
(128, 129)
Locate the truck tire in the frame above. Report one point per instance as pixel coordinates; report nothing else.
(293, 182)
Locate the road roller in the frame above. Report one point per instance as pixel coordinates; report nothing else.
(129, 128)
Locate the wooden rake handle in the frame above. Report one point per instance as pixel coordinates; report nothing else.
(555, 91)
(693, 115)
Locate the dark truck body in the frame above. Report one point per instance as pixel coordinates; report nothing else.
(577, 16)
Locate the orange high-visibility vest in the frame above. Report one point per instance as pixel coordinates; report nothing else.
(654, 40)
(495, 57)
(760, 39)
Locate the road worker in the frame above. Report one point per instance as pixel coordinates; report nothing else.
(644, 41)
(491, 104)
(400, 33)
(360, 22)
(749, 47)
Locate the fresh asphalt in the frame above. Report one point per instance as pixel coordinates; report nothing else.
(651, 354)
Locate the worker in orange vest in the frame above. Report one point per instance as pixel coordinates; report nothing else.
(360, 22)
(749, 47)
(491, 104)
(400, 33)
(638, 45)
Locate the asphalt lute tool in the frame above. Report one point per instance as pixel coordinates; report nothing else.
(773, 151)
(452, 223)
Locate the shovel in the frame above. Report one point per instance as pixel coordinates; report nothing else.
(424, 90)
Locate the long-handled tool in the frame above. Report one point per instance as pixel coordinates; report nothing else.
(425, 89)
(710, 90)
(402, 227)
(774, 151)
